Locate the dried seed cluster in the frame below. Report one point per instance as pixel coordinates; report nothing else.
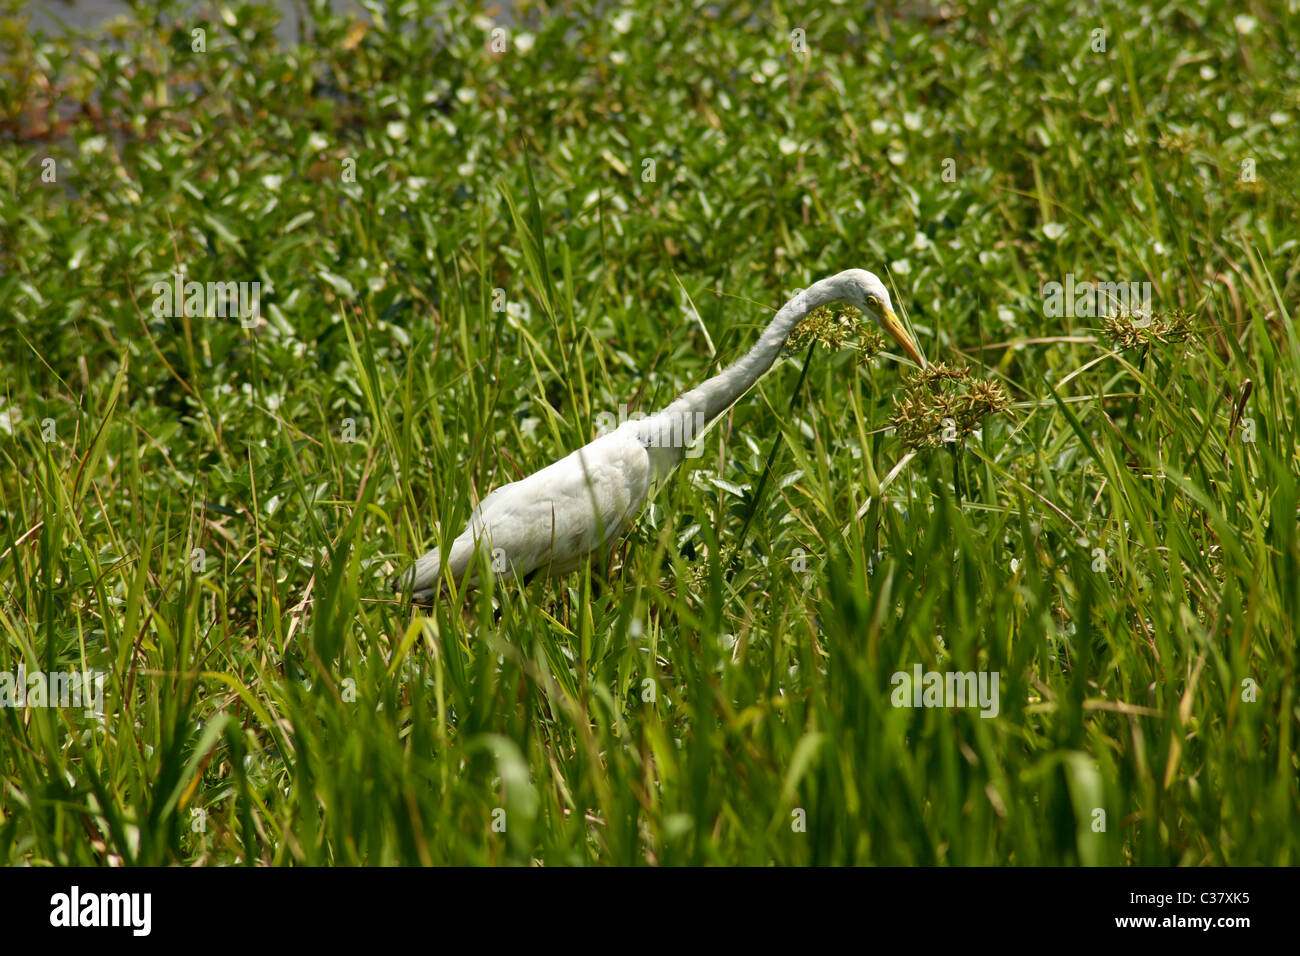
(838, 328)
(944, 403)
(1129, 332)
(870, 344)
(832, 328)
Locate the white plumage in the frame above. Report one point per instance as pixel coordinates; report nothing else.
(551, 520)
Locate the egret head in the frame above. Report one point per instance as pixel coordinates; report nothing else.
(866, 292)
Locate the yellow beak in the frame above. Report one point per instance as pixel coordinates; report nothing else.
(895, 328)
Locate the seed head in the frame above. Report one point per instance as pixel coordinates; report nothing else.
(942, 404)
(1130, 332)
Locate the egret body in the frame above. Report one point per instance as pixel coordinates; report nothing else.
(551, 520)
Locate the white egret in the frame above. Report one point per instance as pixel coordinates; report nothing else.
(551, 520)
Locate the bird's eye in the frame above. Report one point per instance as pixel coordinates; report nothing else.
(873, 302)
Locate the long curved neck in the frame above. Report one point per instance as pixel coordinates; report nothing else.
(719, 393)
(693, 412)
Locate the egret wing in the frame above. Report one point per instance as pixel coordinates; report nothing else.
(580, 505)
(552, 519)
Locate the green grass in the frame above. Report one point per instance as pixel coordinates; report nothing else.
(1114, 547)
